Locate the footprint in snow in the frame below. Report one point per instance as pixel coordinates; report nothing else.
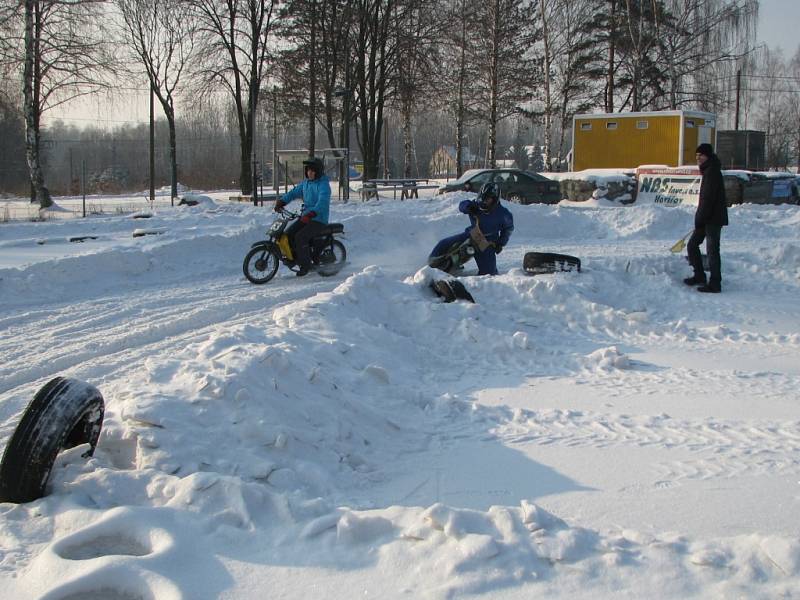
(110, 560)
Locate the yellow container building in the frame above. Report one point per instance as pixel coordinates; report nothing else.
(627, 140)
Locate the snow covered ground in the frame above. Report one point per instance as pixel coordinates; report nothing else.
(604, 434)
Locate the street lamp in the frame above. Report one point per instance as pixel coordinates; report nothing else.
(345, 94)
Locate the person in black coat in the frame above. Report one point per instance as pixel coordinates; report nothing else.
(709, 219)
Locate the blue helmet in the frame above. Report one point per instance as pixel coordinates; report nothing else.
(488, 196)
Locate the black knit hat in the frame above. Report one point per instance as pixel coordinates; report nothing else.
(705, 149)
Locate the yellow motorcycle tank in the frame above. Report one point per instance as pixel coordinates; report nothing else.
(285, 248)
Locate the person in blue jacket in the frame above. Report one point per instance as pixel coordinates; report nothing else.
(315, 190)
(495, 221)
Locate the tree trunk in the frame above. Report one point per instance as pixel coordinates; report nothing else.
(312, 82)
(612, 33)
(173, 154)
(493, 86)
(408, 141)
(31, 88)
(548, 103)
(462, 76)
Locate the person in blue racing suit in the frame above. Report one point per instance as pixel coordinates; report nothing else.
(315, 190)
(495, 221)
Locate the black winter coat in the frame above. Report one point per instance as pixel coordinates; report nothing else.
(713, 206)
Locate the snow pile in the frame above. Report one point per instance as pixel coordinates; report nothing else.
(570, 435)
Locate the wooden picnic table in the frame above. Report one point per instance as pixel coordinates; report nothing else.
(408, 186)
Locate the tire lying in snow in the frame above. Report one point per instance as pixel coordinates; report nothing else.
(451, 290)
(539, 263)
(63, 414)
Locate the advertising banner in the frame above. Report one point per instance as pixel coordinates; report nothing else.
(668, 186)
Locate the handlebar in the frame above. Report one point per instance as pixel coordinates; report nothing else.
(285, 212)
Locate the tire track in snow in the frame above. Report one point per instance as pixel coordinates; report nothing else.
(93, 334)
(730, 448)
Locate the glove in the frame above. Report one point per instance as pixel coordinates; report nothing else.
(473, 210)
(497, 248)
(279, 204)
(306, 218)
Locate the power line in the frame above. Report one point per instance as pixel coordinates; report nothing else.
(788, 77)
(797, 91)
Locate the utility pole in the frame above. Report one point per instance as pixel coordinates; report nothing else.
(275, 174)
(344, 172)
(385, 150)
(738, 91)
(152, 150)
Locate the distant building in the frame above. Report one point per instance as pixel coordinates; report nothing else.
(443, 161)
(742, 149)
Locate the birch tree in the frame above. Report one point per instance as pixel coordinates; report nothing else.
(460, 48)
(417, 30)
(507, 71)
(702, 43)
(577, 66)
(57, 46)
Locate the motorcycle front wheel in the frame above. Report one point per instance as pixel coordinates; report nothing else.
(332, 259)
(261, 264)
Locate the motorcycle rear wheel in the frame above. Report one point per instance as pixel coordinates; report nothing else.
(332, 259)
(261, 264)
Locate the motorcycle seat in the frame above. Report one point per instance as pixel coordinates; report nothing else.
(332, 228)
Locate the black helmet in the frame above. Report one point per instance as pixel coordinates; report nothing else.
(488, 196)
(316, 164)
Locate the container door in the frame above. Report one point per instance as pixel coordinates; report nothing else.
(704, 135)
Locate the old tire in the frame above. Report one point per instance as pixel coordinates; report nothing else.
(63, 414)
(539, 263)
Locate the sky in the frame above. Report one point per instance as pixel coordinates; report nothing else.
(778, 25)
(598, 434)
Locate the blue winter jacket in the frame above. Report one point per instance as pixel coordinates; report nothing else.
(496, 225)
(316, 195)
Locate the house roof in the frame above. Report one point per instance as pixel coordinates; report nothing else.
(466, 154)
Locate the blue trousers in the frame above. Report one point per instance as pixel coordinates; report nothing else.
(486, 260)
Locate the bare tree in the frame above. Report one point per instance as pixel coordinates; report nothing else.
(374, 55)
(459, 50)
(577, 65)
(233, 53)
(417, 30)
(58, 47)
(507, 72)
(794, 105)
(771, 84)
(162, 40)
(701, 43)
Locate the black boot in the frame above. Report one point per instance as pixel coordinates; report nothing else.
(302, 271)
(711, 288)
(695, 280)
